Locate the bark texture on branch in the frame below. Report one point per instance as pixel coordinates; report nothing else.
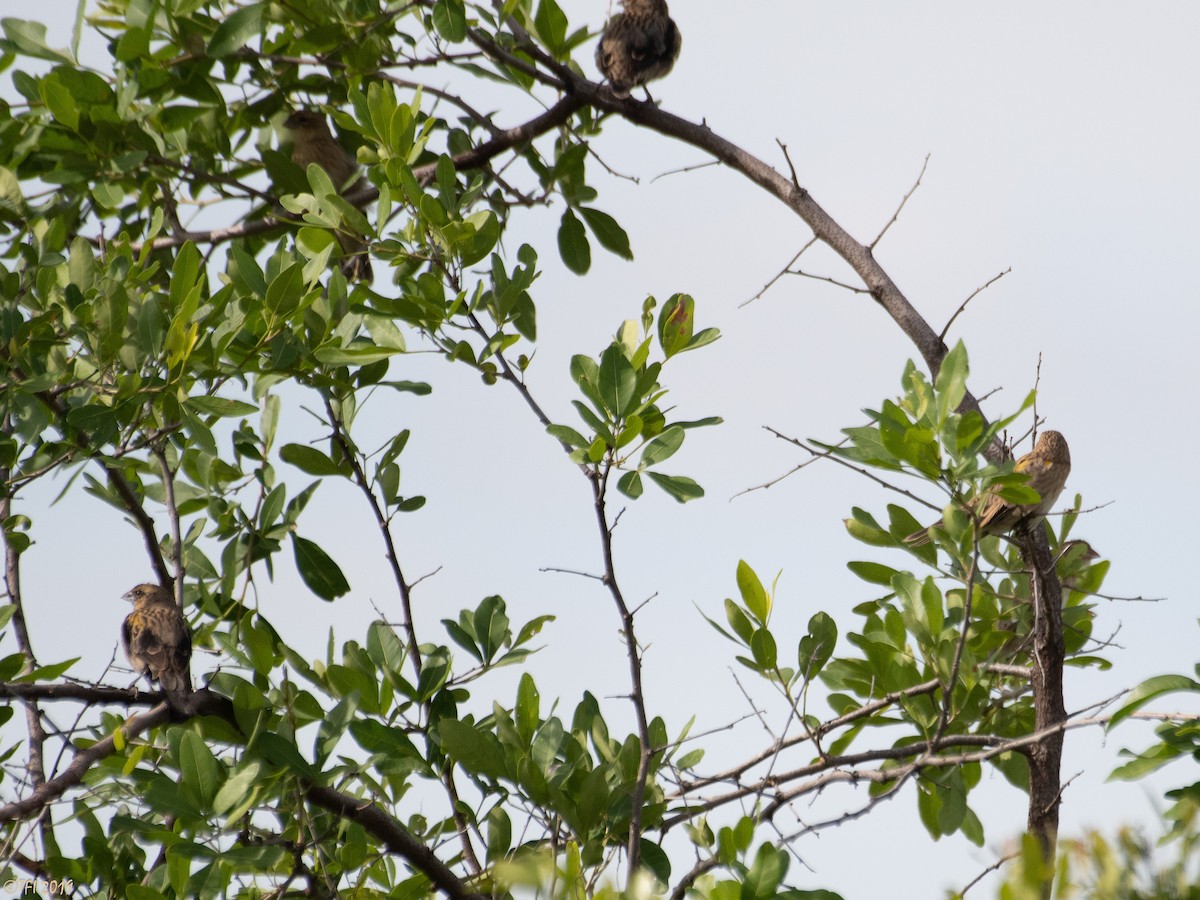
(1045, 757)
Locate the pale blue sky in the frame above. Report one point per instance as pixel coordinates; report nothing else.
(1063, 145)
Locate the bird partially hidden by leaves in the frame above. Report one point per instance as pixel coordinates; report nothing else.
(158, 644)
(1046, 468)
(639, 45)
(312, 142)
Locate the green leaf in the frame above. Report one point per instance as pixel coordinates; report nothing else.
(617, 381)
(239, 788)
(591, 800)
(863, 527)
(739, 622)
(675, 323)
(29, 39)
(499, 833)
(280, 751)
(285, 290)
(450, 20)
(630, 484)
(375, 737)
(567, 435)
(951, 382)
(354, 356)
(573, 244)
(656, 860)
(612, 237)
(754, 595)
(65, 110)
(1148, 690)
(199, 770)
(872, 573)
(220, 406)
(816, 647)
(1145, 763)
(663, 446)
(10, 190)
(764, 876)
(233, 33)
(492, 626)
(528, 708)
(551, 25)
(477, 751)
(762, 646)
(310, 460)
(435, 669)
(680, 487)
(48, 673)
(318, 570)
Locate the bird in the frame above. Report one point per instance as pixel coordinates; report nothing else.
(639, 44)
(1046, 466)
(158, 644)
(312, 142)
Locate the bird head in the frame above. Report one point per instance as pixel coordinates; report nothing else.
(147, 593)
(306, 122)
(1053, 446)
(645, 7)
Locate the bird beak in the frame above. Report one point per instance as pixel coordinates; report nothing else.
(127, 596)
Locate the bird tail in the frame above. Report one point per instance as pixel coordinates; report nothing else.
(918, 538)
(180, 704)
(177, 691)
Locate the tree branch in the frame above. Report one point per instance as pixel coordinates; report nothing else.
(394, 836)
(72, 775)
(350, 451)
(1046, 677)
(599, 483)
(505, 139)
(117, 481)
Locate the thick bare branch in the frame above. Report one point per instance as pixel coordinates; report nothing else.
(84, 693)
(72, 775)
(1045, 757)
(394, 836)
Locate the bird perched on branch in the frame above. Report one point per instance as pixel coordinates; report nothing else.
(312, 142)
(1047, 467)
(638, 45)
(158, 644)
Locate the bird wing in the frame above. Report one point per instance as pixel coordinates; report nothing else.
(648, 43)
(994, 509)
(160, 640)
(131, 630)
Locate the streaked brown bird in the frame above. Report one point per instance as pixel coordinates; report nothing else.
(1047, 467)
(312, 142)
(158, 644)
(639, 45)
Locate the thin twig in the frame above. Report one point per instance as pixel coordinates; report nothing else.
(975, 293)
(849, 465)
(683, 170)
(800, 273)
(994, 867)
(767, 485)
(896, 215)
(784, 271)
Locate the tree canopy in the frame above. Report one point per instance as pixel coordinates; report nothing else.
(173, 299)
